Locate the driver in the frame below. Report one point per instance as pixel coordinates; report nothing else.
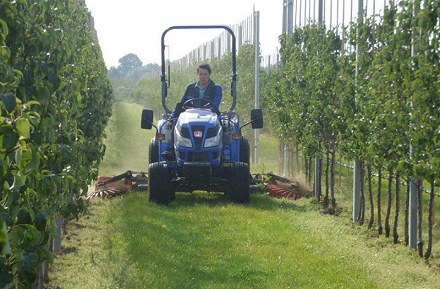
(204, 88)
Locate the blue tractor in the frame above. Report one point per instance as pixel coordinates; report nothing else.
(199, 150)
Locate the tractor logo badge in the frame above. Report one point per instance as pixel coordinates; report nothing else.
(198, 133)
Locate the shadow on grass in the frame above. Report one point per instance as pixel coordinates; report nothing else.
(258, 201)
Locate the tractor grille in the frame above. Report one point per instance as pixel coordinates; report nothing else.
(198, 157)
(197, 172)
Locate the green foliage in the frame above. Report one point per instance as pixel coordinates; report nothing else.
(390, 104)
(424, 87)
(301, 91)
(130, 63)
(55, 103)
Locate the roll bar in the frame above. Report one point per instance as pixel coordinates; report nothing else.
(234, 61)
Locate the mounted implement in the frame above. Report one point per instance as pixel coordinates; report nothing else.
(280, 187)
(119, 184)
(199, 150)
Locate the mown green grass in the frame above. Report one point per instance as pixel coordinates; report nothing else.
(268, 150)
(203, 241)
(126, 143)
(344, 199)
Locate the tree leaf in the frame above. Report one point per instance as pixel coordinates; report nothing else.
(24, 128)
(9, 101)
(4, 240)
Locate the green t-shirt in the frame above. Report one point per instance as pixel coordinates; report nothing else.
(201, 90)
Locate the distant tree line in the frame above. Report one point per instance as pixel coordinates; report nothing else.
(130, 66)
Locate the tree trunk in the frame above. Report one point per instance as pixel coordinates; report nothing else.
(430, 220)
(370, 194)
(281, 157)
(326, 202)
(340, 172)
(362, 191)
(379, 201)
(420, 241)
(298, 163)
(306, 163)
(317, 179)
(390, 199)
(56, 246)
(332, 178)
(396, 215)
(407, 214)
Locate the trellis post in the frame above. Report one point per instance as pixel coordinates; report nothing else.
(413, 189)
(357, 168)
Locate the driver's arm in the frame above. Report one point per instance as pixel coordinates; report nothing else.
(217, 99)
(218, 96)
(179, 109)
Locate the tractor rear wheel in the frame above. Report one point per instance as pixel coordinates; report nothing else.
(153, 151)
(159, 183)
(239, 183)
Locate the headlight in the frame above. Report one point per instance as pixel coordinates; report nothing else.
(180, 140)
(213, 141)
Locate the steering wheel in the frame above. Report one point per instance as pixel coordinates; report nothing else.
(196, 103)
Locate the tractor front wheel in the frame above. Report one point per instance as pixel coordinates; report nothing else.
(159, 183)
(239, 183)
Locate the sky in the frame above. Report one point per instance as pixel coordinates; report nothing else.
(136, 26)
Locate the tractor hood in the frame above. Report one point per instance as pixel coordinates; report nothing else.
(198, 129)
(194, 115)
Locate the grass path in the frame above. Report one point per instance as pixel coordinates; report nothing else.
(204, 241)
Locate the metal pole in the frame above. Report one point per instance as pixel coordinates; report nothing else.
(337, 15)
(351, 18)
(257, 81)
(285, 163)
(289, 32)
(310, 9)
(240, 36)
(314, 10)
(284, 26)
(357, 169)
(343, 27)
(320, 16)
(289, 16)
(305, 12)
(413, 189)
(317, 187)
(294, 14)
(366, 8)
(331, 13)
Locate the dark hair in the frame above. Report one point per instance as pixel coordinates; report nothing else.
(204, 66)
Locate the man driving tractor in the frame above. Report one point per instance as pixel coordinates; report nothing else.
(205, 88)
